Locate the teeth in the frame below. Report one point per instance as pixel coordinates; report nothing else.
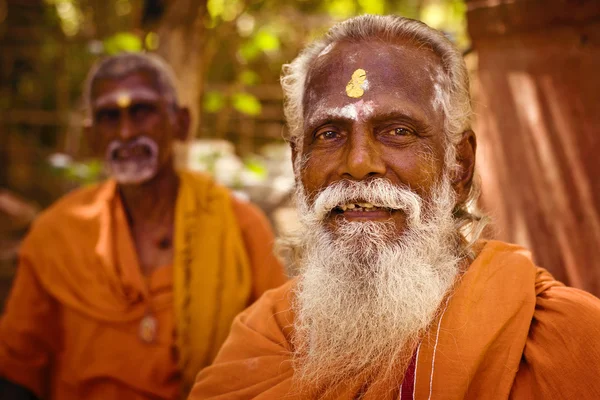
(359, 207)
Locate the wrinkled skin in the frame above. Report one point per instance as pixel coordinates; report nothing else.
(147, 113)
(395, 130)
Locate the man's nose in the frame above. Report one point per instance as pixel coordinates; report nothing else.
(126, 127)
(362, 158)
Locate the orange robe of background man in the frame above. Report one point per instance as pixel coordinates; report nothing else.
(71, 325)
(508, 331)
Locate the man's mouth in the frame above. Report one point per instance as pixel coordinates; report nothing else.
(136, 152)
(362, 209)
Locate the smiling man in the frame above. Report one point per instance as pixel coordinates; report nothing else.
(126, 289)
(396, 296)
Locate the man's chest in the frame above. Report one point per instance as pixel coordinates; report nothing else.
(154, 247)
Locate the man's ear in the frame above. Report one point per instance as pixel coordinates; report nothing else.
(465, 157)
(294, 149)
(183, 124)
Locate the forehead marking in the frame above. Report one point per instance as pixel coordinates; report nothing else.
(354, 111)
(356, 87)
(123, 99)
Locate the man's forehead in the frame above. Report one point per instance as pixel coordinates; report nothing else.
(346, 72)
(125, 96)
(123, 91)
(381, 60)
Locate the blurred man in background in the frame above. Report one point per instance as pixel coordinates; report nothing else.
(126, 289)
(397, 297)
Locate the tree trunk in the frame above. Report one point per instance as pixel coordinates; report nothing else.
(538, 110)
(180, 32)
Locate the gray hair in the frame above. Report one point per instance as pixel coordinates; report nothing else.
(121, 65)
(454, 95)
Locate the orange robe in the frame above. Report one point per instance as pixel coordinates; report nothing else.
(509, 331)
(70, 329)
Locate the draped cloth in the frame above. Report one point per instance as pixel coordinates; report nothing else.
(508, 330)
(211, 280)
(71, 325)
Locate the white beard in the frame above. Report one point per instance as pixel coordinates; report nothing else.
(132, 172)
(365, 293)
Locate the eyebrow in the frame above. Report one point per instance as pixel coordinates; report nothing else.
(334, 115)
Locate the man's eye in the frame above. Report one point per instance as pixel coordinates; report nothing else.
(400, 132)
(107, 116)
(327, 135)
(141, 110)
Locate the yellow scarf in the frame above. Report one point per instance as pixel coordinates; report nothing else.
(211, 272)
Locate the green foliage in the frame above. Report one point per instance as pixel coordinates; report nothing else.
(82, 173)
(266, 40)
(151, 41)
(257, 167)
(246, 103)
(69, 14)
(248, 51)
(227, 10)
(214, 101)
(448, 16)
(215, 8)
(122, 41)
(340, 9)
(248, 77)
(372, 6)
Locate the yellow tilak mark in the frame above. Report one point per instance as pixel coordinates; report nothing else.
(354, 87)
(123, 100)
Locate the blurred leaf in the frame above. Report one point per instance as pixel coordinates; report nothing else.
(214, 101)
(449, 17)
(231, 9)
(152, 41)
(266, 41)
(256, 167)
(69, 14)
(248, 77)
(372, 6)
(249, 51)
(86, 172)
(246, 103)
(215, 8)
(341, 8)
(123, 41)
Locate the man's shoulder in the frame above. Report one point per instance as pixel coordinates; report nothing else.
(247, 213)
(566, 312)
(275, 303)
(562, 350)
(80, 205)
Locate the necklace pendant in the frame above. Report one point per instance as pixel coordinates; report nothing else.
(148, 329)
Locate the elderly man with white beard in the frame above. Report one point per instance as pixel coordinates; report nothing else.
(397, 296)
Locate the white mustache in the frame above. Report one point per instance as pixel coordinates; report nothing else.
(117, 145)
(379, 192)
